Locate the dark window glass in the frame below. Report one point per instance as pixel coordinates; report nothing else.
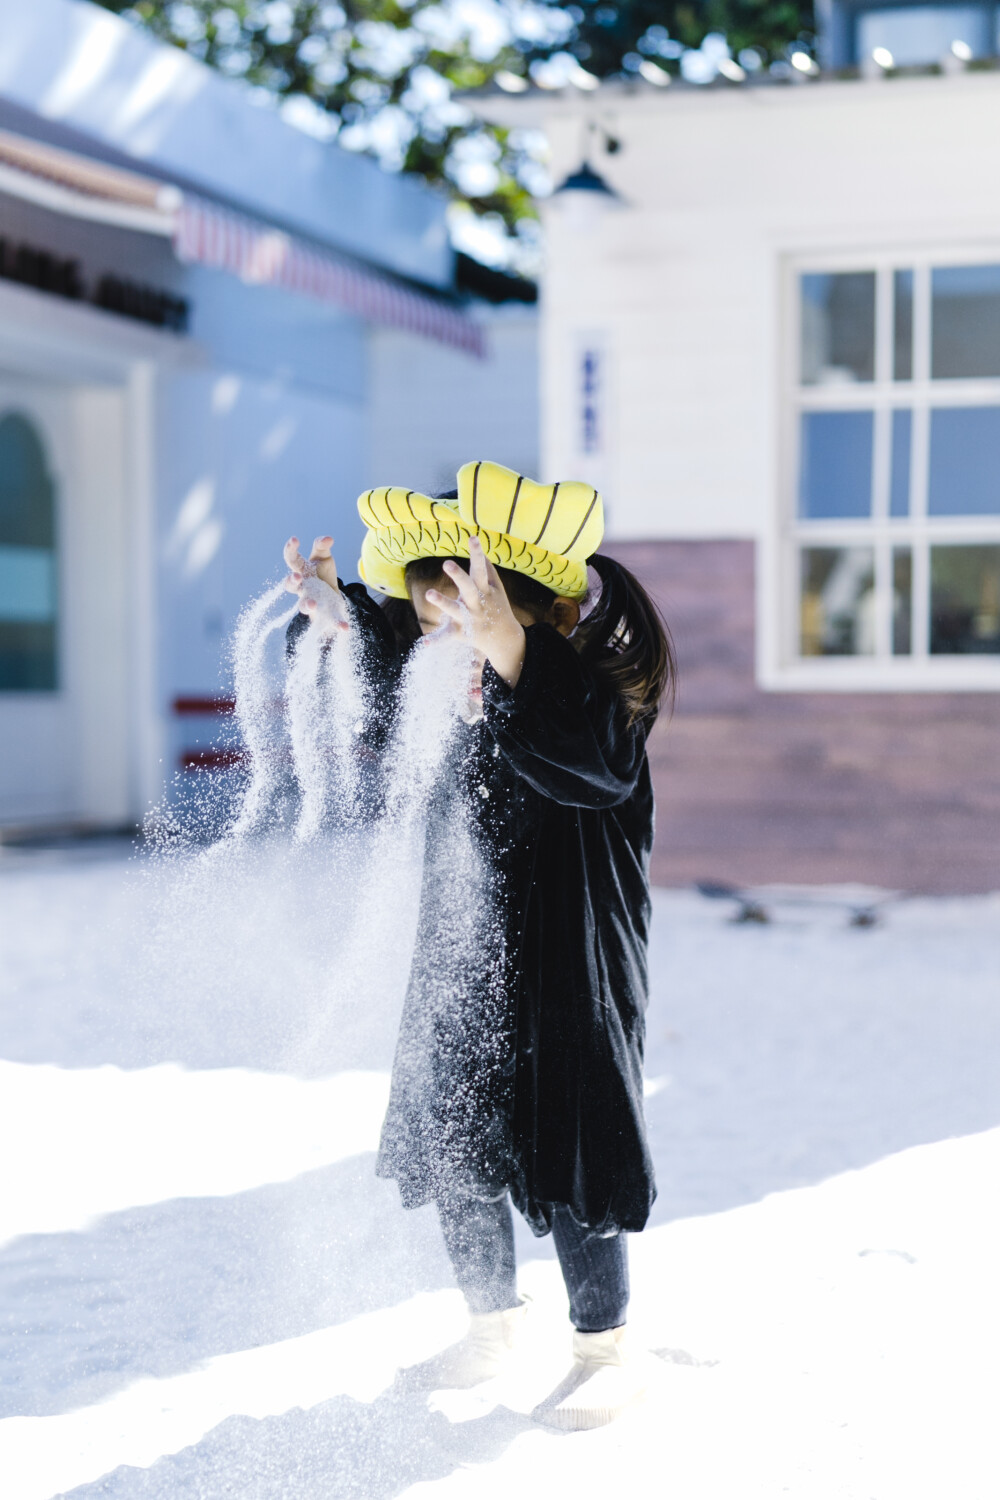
(899, 493)
(902, 325)
(837, 601)
(835, 465)
(965, 322)
(27, 561)
(902, 601)
(964, 477)
(965, 600)
(838, 328)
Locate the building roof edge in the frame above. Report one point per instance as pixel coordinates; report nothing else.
(80, 69)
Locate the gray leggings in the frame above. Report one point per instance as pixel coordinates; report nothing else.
(479, 1237)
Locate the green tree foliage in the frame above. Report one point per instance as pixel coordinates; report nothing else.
(382, 75)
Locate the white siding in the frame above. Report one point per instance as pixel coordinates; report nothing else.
(433, 409)
(684, 283)
(243, 463)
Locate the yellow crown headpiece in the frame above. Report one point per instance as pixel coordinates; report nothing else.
(544, 530)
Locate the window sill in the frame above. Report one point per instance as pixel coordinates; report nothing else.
(901, 675)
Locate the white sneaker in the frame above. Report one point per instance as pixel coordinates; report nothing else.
(477, 1357)
(604, 1380)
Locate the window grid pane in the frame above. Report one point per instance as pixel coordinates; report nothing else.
(902, 325)
(835, 465)
(902, 434)
(965, 322)
(837, 328)
(965, 600)
(837, 594)
(964, 471)
(937, 461)
(902, 601)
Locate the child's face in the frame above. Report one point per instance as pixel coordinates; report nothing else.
(563, 615)
(429, 615)
(430, 618)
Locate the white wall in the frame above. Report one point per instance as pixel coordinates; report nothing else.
(242, 463)
(433, 409)
(684, 283)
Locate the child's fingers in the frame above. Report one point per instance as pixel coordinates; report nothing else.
(452, 609)
(293, 555)
(491, 574)
(479, 565)
(468, 592)
(297, 565)
(322, 560)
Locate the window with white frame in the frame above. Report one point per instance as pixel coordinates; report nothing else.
(895, 514)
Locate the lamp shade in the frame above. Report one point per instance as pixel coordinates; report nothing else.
(584, 197)
(586, 180)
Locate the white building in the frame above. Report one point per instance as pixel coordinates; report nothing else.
(779, 355)
(214, 330)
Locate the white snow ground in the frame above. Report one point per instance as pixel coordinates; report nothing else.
(205, 1292)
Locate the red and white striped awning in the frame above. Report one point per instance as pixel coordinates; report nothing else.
(207, 234)
(210, 236)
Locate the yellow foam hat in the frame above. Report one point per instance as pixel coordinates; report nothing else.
(544, 530)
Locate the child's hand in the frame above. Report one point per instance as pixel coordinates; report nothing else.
(324, 606)
(315, 582)
(320, 564)
(483, 610)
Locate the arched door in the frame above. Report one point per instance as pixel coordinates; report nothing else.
(29, 644)
(39, 770)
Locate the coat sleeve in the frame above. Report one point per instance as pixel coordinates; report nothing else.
(561, 729)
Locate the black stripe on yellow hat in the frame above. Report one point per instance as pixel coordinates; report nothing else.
(509, 513)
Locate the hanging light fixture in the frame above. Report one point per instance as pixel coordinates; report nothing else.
(587, 185)
(585, 192)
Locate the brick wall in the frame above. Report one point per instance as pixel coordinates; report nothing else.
(896, 789)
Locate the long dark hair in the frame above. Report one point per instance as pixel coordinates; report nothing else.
(624, 640)
(627, 641)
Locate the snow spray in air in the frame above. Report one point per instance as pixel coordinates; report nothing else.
(325, 704)
(289, 885)
(252, 684)
(446, 1128)
(332, 910)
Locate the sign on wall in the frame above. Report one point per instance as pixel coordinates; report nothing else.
(591, 409)
(590, 414)
(61, 276)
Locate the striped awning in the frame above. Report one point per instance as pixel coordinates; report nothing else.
(207, 234)
(210, 236)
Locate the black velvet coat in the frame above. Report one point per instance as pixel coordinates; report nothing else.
(558, 785)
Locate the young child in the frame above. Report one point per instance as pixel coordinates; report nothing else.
(529, 1080)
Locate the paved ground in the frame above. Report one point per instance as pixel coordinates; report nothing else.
(205, 1292)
